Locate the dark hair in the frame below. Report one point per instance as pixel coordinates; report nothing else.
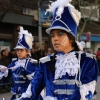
(2, 52)
(12, 50)
(52, 67)
(74, 45)
(98, 48)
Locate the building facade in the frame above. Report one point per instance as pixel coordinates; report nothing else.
(20, 12)
(26, 13)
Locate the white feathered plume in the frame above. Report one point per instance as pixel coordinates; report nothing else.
(60, 4)
(22, 31)
(81, 45)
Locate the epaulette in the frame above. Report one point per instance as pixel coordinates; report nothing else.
(33, 61)
(89, 55)
(44, 59)
(13, 59)
(80, 52)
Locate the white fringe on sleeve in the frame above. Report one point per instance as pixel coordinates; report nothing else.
(84, 89)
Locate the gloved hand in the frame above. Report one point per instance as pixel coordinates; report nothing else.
(3, 68)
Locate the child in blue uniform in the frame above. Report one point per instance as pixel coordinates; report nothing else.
(23, 67)
(68, 74)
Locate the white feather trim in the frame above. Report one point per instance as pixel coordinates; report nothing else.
(57, 4)
(60, 4)
(81, 45)
(22, 31)
(60, 11)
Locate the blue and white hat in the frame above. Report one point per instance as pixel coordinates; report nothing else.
(65, 16)
(25, 39)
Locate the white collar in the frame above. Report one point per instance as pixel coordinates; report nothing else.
(67, 63)
(20, 62)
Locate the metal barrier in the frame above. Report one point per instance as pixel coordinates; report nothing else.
(5, 84)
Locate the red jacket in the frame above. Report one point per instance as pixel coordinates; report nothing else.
(98, 53)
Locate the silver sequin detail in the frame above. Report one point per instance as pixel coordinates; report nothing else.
(19, 81)
(64, 91)
(63, 82)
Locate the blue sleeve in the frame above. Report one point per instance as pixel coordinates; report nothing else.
(38, 83)
(89, 74)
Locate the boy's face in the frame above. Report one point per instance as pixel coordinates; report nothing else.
(22, 53)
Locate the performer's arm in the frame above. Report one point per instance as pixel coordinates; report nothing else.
(88, 81)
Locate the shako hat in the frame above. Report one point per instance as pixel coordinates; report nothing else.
(25, 39)
(65, 16)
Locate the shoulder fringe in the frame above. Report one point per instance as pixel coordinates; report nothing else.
(13, 59)
(89, 55)
(33, 61)
(44, 59)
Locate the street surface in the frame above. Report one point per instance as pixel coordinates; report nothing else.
(8, 95)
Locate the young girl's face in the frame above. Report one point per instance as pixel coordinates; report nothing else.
(60, 41)
(22, 53)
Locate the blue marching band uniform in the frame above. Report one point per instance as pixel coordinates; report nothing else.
(22, 75)
(22, 70)
(67, 83)
(75, 75)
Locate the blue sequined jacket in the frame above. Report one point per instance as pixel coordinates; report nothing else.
(66, 87)
(22, 74)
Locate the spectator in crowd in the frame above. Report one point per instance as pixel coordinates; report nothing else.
(33, 54)
(93, 52)
(40, 53)
(49, 51)
(68, 74)
(5, 61)
(13, 54)
(98, 58)
(23, 67)
(1, 55)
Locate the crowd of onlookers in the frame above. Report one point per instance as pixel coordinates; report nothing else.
(6, 58)
(37, 54)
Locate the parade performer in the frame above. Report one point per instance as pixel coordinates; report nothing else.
(68, 74)
(23, 67)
